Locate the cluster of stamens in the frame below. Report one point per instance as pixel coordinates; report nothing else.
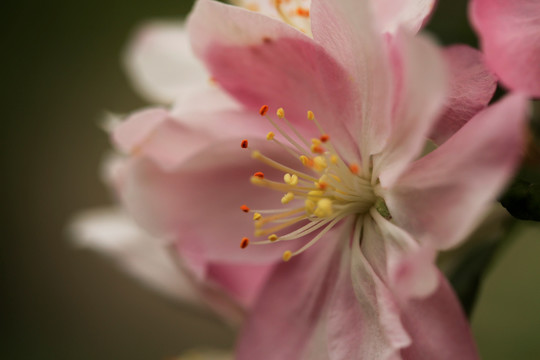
(316, 196)
(293, 12)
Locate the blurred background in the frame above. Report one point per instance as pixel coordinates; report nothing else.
(60, 72)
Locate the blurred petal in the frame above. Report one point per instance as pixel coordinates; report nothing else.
(471, 88)
(438, 327)
(442, 196)
(408, 14)
(509, 32)
(160, 62)
(113, 233)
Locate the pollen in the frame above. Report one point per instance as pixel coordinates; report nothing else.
(263, 110)
(257, 216)
(270, 136)
(244, 144)
(310, 115)
(287, 255)
(244, 208)
(244, 243)
(273, 237)
(354, 168)
(287, 198)
(324, 138)
(290, 179)
(280, 113)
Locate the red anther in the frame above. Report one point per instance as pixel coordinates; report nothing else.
(324, 138)
(244, 208)
(244, 144)
(263, 110)
(322, 185)
(318, 150)
(354, 168)
(244, 243)
(259, 174)
(300, 11)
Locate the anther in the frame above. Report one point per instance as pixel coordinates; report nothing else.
(273, 237)
(354, 168)
(280, 113)
(263, 110)
(310, 115)
(259, 175)
(244, 144)
(287, 255)
(244, 208)
(244, 243)
(290, 179)
(287, 198)
(324, 138)
(257, 216)
(270, 136)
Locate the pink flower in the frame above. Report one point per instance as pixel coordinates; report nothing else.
(509, 32)
(361, 218)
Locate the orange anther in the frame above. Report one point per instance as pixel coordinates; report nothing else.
(300, 11)
(354, 168)
(324, 138)
(259, 174)
(317, 149)
(244, 243)
(244, 208)
(263, 110)
(322, 185)
(244, 144)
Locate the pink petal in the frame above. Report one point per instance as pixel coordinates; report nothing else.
(198, 203)
(440, 198)
(286, 317)
(160, 62)
(438, 327)
(408, 14)
(345, 29)
(364, 319)
(420, 92)
(509, 31)
(260, 61)
(471, 88)
(130, 134)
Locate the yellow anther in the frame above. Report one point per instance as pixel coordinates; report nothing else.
(270, 136)
(333, 159)
(280, 113)
(255, 180)
(324, 208)
(316, 142)
(257, 216)
(273, 237)
(319, 162)
(287, 198)
(315, 193)
(305, 160)
(310, 206)
(290, 179)
(310, 115)
(287, 255)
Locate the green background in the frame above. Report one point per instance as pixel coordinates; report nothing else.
(60, 72)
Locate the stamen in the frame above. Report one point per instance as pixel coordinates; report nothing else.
(270, 136)
(257, 216)
(244, 144)
(244, 208)
(280, 113)
(287, 255)
(259, 175)
(263, 110)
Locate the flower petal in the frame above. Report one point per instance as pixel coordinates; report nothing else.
(345, 29)
(510, 37)
(408, 14)
(198, 203)
(260, 60)
(440, 198)
(289, 310)
(113, 233)
(438, 327)
(160, 62)
(471, 88)
(420, 74)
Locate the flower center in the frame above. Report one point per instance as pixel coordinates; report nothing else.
(316, 195)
